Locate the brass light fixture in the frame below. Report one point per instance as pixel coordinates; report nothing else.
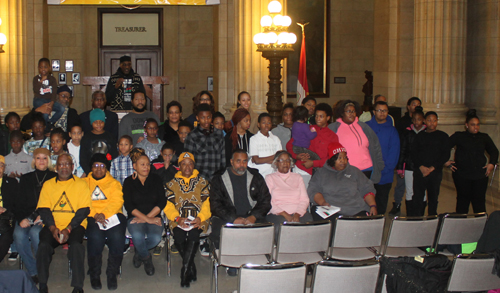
(275, 43)
(3, 40)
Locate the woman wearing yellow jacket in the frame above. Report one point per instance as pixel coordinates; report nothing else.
(188, 211)
(106, 223)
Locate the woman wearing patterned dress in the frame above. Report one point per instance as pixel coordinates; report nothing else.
(188, 211)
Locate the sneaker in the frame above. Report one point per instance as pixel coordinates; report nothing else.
(65, 246)
(35, 279)
(205, 249)
(233, 272)
(126, 249)
(13, 256)
(157, 250)
(173, 249)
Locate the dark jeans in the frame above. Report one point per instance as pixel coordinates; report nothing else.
(181, 236)
(399, 191)
(6, 240)
(114, 237)
(431, 183)
(57, 108)
(470, 192)
(76, 254)
(145, 236)
(382, 196)
(317, 217)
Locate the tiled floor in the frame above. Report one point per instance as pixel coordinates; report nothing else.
(136, 280)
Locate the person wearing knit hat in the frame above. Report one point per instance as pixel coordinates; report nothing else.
(341, 185)
(188, 211)
(97, 141)
(2, 160)
(107, 205)
(123, 84)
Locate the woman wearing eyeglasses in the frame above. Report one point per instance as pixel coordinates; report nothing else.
(107, 203)
(359, 140)
(289, 198)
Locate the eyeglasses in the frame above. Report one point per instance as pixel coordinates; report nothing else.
(382, 111)
(98, 166)
(64, 164)
(350, 111)
(284, 161)
(64, 96)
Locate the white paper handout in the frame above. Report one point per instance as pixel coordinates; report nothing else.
(110, 222)
(325, 211)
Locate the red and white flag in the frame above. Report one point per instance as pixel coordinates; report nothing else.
(302, 88)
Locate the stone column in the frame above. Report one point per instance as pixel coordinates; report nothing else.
(239, 67)
(440, 57)
(22, 23)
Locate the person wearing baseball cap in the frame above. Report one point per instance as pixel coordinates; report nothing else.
(188, 211)
(123, 84)
(339, 184)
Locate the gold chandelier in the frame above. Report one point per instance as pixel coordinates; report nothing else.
(275, 35)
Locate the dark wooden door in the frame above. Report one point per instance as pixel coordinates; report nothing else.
(144, 62)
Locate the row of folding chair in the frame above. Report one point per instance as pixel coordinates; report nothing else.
(469, 273)
(351, 239)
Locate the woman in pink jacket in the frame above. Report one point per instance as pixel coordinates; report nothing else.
(289, 198)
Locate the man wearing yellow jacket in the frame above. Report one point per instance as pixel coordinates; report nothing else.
(188, 210)
(106, 223)
(63, 205)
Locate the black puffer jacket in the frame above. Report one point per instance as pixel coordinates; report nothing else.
(406, 142)
(221, 197)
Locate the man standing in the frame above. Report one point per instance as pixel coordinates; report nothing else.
(389, 142)
(99, 102)
(238, 195)
(133, 123)
(402, 124)
(122, 85)
(206, 143)
(70, 116)
(64, 205)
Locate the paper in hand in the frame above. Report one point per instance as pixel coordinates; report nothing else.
(110, 223)
(325, 211)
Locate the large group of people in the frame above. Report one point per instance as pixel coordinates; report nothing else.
(203, 172)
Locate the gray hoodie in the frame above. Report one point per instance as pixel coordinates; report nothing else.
(345, 189)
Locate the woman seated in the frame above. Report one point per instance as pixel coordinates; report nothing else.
(8, 192)
(144, 198)
(107, 204)
(188, 210)
(339, 184)
(289, 198)
(28, 223)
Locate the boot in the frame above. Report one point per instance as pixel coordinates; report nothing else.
(188, 263)
(95, 263)
(148, 265)
(396, 209)
(409, 208)
(137, 260)
(114, 263)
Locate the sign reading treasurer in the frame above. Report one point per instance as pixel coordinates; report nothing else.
(130, 29)
(133, 2)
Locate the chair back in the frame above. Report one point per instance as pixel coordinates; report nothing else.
(358, 232)
(335, 276)
(458, 229)
(254, 239)
(412, 231)
(273, 278)
(473, 273)
(303, 238)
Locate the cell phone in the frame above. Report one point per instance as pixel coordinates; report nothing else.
(61, 237)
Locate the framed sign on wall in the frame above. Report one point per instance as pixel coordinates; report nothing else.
(130, 29)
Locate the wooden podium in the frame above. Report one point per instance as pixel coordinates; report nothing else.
(151, 83)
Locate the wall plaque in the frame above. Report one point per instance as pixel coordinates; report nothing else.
(130, 29)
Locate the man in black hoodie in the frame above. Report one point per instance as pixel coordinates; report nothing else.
(122, 85)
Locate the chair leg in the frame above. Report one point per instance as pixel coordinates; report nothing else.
(167, 255)
(216, 267)
(70, 273)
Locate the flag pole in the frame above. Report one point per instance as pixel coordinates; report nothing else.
(302, 87)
